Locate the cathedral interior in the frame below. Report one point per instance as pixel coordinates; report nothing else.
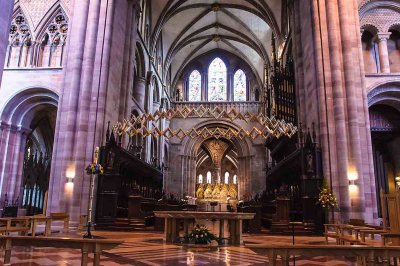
(127, 126)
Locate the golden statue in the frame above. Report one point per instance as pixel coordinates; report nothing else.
(200, 191)
(233, 191)
(224, 192)
(208, 192)
(216, 192)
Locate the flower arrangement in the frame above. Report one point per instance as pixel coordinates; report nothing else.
(200, 235)
(93, 169)
(326, 199)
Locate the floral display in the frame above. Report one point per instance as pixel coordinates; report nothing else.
(200, 235)
(326, 199)
(94, 169)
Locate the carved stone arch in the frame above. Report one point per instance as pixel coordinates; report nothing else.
(385, 93)
(140, 66)
(394, 26)
(47, 20)
(373, 29)
(191, 147)
(52, 34)
(29, 112)
(50, 14)
(156, 90)
(17, 108)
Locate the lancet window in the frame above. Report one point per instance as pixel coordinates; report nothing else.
(194, 92)
(239, 86)
(20, 42)
(217, 81)
(52, 43)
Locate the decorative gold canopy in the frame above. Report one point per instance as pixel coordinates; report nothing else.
(138, 125)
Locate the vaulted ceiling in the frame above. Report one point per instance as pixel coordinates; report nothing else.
(192, 27)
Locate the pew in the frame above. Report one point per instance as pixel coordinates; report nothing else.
(16, 224)
(86, 246)
(61, 216)
(366, 255)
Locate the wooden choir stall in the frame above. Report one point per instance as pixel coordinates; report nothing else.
(128, 189)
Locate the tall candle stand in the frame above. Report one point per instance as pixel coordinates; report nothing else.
(98, 168)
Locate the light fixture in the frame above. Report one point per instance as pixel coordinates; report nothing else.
(397, 180)
(70, 180)
(352, 182)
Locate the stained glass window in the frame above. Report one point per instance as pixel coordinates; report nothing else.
(226, 177)
(239, 86)
(208, 177)
(194, 86)
(217, 80)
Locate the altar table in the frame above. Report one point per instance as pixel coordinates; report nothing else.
(234, 220)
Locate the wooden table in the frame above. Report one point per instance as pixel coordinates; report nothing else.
(234, 220)
(86, 246)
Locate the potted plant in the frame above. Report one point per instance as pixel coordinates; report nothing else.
(200, 236)
(327, 200)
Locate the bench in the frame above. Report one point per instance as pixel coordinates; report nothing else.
(367, 255)
(15, 224)
(61, 216)
(86, 246)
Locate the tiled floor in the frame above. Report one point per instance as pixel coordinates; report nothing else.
(149, 249)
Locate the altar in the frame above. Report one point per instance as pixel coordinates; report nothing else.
(231, 220)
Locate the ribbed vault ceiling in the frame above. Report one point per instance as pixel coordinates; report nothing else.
(192, 27)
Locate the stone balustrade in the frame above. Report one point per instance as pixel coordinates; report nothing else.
(242, 107)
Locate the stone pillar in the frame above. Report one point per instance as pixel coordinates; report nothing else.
(129, 61)
(327, 46)
(382, 39)
(6, 10)
(67, 126)
(230, 85)
(139, 92)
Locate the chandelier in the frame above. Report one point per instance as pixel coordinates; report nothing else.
(146, 124)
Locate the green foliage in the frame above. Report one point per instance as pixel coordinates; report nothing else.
(200, 235)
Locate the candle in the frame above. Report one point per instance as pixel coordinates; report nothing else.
(96, 155)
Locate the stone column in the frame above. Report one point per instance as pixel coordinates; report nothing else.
(127, 83)
(139, 92)
(327, 46)
(66, 125)
(6, 10)
(382, 39)
(230, 85)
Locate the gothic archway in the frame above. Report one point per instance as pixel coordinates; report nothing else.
(28, 127)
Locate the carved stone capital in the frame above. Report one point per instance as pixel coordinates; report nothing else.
(382, 36)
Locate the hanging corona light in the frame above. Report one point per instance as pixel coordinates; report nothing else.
(265, 126)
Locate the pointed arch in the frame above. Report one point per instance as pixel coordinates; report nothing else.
(239, 86)
(194, 88)
(52, 39)
(217, 80)
(19, 41)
